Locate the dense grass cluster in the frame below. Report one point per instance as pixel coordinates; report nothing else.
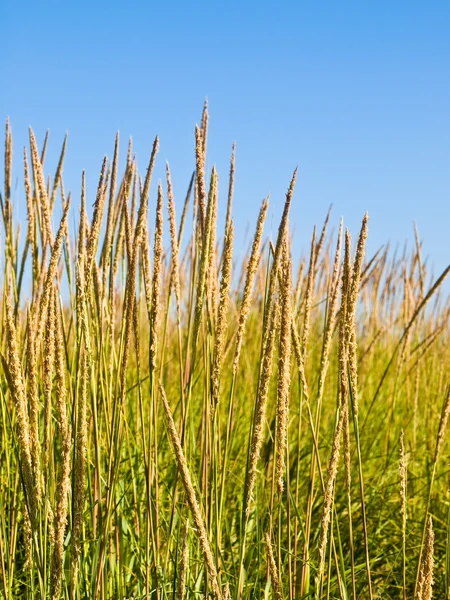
(178, 424)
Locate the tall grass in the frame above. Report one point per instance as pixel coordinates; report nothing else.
(179, 423)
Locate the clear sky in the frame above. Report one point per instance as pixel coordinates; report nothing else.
(357, 94)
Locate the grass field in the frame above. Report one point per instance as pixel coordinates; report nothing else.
(179, 424)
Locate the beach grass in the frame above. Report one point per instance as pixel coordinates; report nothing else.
(184, 421)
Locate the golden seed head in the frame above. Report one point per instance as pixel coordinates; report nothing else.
(157, 268)
(222, 314)
(249, 281)
(261, 405)
(273, 570)
(175, 275)
(403, 479)
(425, 582)
(284, 366)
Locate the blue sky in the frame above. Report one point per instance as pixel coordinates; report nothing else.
(356, 94)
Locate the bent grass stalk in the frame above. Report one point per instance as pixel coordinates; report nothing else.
(191, 496)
